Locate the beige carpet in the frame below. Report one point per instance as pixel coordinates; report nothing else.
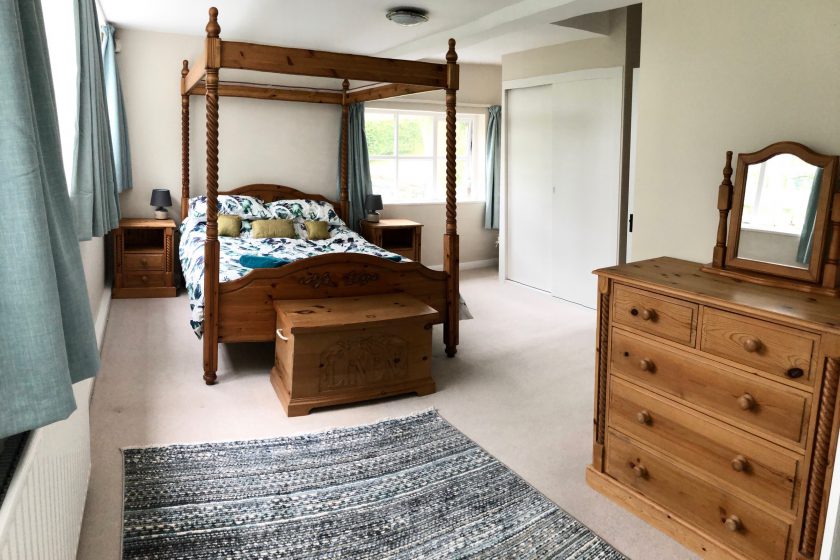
(521, 387)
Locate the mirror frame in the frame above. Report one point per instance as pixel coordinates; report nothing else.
(813, 273)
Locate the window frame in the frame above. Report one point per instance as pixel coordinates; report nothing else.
(476, 155)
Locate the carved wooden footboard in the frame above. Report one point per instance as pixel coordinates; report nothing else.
(246, 311)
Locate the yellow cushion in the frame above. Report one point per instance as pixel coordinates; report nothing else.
(229, 226)
(316, 230)
(272, 228)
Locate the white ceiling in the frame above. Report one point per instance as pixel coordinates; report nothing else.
(485, 29)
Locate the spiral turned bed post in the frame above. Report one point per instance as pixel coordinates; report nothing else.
(345, 155)
(185, 142)
(450, 237)
(211, 245)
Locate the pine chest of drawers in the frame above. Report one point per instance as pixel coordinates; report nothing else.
(716, 412)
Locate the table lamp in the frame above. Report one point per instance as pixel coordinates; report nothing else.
(373, 203)
(161, 200)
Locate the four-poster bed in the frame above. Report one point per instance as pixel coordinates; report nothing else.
(243, 310)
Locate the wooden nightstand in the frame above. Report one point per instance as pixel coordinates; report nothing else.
(398, 236)
(144, 259)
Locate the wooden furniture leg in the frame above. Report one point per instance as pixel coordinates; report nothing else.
(450, 238)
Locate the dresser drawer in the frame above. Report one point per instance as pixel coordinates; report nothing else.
(144, 280)
(143, 261)
(778, 350)
(739, 524)
(648, 312)
(744, 398)
(725, 453)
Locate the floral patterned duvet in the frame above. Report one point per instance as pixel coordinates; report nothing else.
(191, 253)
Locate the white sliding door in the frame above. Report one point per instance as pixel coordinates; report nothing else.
(563, 173)
(587, 179)
(529, 186)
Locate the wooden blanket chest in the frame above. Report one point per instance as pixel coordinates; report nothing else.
(339, 350)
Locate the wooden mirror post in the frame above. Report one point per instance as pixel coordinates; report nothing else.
(724, 204)
(211, 245)
(450, 238)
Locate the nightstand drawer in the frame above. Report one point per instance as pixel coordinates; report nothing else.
(782, 351)
(143, 261)
(724, 452)
(144, 280)
(743, 398)
(740, 524)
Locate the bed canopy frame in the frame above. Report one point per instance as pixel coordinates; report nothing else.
(242, 310)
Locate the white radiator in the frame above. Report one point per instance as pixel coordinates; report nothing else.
(41, 516)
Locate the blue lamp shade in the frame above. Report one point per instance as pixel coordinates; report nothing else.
(161, 198)
(373, 202)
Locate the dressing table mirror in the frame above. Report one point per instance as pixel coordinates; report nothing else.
(779, 222)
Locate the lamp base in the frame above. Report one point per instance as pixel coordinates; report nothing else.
(373, 217)
(161, 214)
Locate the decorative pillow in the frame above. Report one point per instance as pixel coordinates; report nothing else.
(229, 226)
(304, 209)
(317, 230)
(246, 207)
(272, 228)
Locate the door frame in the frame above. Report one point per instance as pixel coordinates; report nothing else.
(549, 79)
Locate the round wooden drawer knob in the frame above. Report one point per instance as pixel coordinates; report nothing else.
(733, 523)
(648, 314)
(740, 463)
(144, 262)
(144, 278)
(641, 471)
(643, 417)
(752, 344)
(646, 364)
(746, 402)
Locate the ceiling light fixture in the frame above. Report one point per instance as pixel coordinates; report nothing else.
(407, 16)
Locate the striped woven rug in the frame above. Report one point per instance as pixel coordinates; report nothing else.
(412, 487)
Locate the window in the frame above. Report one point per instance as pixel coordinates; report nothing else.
(407, 152)
(777, 194)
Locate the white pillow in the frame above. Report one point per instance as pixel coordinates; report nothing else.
(246, 207)
(301, 210)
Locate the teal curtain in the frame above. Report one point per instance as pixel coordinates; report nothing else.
(93, 188)
(358, 165)
(116, 110)
(806, 238)
(492, 166)
(47, 340)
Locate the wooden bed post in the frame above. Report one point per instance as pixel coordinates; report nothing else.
(185, 142)
(343, 206)
(211, 245)
(450, 238)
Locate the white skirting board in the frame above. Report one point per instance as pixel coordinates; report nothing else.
(470, 265)
(41, 516)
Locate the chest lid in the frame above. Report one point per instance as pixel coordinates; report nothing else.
(330, 314)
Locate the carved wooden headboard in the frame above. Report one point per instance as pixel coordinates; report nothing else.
(270, 193)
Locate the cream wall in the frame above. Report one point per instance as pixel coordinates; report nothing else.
(718, 75)
(295, 144)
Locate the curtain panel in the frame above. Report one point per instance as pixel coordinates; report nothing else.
(47, 340)
(116, 110)
(806, 239)
(492, 167)
(93, 188)
(358, 165)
